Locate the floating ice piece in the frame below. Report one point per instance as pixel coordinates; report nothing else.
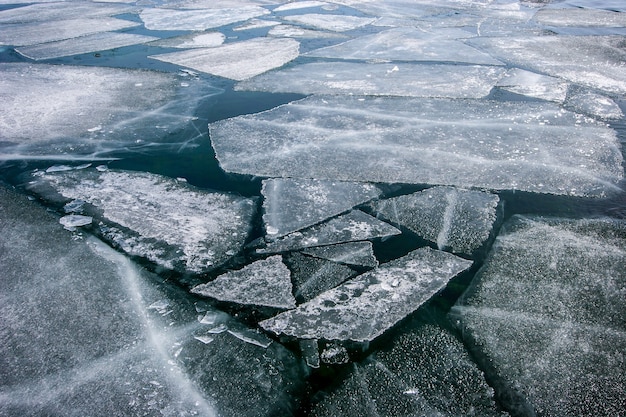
(332, 22)
(251, 336)
(293, 204)
(534, 85)
(364, 307)
(335, 355)
(407, 44)
(171, 223)
(289, 31)
(59, 11)
(580, 18)
(239, 60)
(195, 40)
(350, 227)
(537, 147)
(613, 5)
(84, 44)
(72, 221)
(199, 19)
(300, 5)
(559, 331)
(594, 61)
(452, 218)
(594, 104)
(256, 24)
(262, 283)
(352, 253)
(312, 276)
(310, 353)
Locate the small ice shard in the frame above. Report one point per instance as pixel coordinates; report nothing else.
(237, 60)
(198, 19)
(334, 354)
(409, 80)
(452, 218)
(579, 17)
(350, 227)
(351, 253)
(310, 352)
(266, 282)
(535, 85)
(204, 338)
(364, 307)
(195, 40)
(332, 22)
(293, 204)
(312, 276)
(594, 104)
(72, 221)
(546, 315)
(251, 336)
(74, 206)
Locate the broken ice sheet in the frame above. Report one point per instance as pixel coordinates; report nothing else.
(594, 104)
(580, 17)
(536, 147)
(535, 85)
(300, 5)
(290, 31)
(59, 11)
(266, 282)
(560, 331)
(351, 253)
(293, 204)
(452, 218)
(331, 22)
(237, 60)
(195, 40)
(409, 80)
(353, 226)
(364, 307)
(197, 19)
(170, 223)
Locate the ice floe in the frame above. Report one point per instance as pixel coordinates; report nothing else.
(580, 17)
(296, 5)
(195, 40)
(364, 307)
(331, 22)
(237, 60)
(197, 19)
(452, 218)
(352, 253)
(290, 31)
(537, 147)
(61, 11)
(312, 276)
(594, 104)
(535, 85)
(293, 204)
(72, 221)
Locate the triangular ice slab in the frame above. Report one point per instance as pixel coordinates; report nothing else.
(262, 283)
(293, 204)
(350, 227)
(352, 253)
(197, 19)
(535, 85)
(363, 308)
(459, 219)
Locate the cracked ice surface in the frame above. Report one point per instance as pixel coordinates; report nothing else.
(535, 85)
(60, 11)
(334, 23)
(580, 18)
(364, 307)
(459, 219)
(547, 313)
(170, 223)
(537, 147)
(199, 19)
(351, 253)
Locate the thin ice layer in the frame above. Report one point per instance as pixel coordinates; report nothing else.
(535, 85)
(170, 223)
(332, 22)
(537, 147)
(450, 217)
(559, 331)
(351, 253)
(312, 276)
(293, 204)
(238, 60)
(349, 227)
(409, 80)
(580, 17)
(195, 40)
(262, 283)
(199, 19)
(363, 308)
(594, 104)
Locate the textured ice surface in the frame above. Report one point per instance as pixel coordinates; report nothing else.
(172, 224)
(352, 253)
(256, 24)
(593, 61)
(198, 19)
(293, 204)
(535, 85)
(594, 104)
(291, 31)
(547, 315)
(262, 283)
(195, 40)
(364, 307)
(299, 5)
(335, 23)
(83, 44)
(536, 147)
(452, 218)
(350, 227)
(408, 44)
(410, 80)
(310, 353)
(72, 221)
(238, 60)
(56, 10)
(580, 17)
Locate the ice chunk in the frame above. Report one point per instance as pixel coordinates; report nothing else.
(238, 60)
(300, 5)
(262, 283)
(364, 307)
(54, 10)
(84, 44)
(335, 354)
(332, 22)
(531, 84)
(352, 253)
(312, 276)
(407, 44)
(593, 61)
(594, 104)
(293, 204)
(537, 147)
(410, 80)
(195, 40)
(170, 223)
(580, 18)
(251, 336)
(198, 19)
(452, 218)
(546, 314)
(256, 24)
(350, 227)
(290, 31)
(310, 353)
(72, 221)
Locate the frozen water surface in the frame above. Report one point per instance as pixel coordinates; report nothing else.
(195, 40)
(299, 5)
(352, 253)
(536, 147)
(364, 307)
(594, 104)
(334, 23)
(580, 17)
(312, 276)
(198, 19)
(60, 11)
(290, 31)
(534, 85)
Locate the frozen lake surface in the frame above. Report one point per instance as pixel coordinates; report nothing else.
(312, 208)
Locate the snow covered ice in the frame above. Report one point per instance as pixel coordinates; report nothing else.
(197, 19)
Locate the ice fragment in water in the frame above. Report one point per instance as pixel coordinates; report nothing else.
(310, 352)
(289, 31)
(594, 104)
(262, 283)
(72, 221)
(335, 355)
(251, 336)
(47, 12)
(350, 227)
(351, 253)
(534, 85)
(452, 218)
(580, 18)
(364, 307)
(237, 60)
(559, 331)
(293, 204)
(334, 23)
(195, 40)
(198, 19)
(300, 5)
